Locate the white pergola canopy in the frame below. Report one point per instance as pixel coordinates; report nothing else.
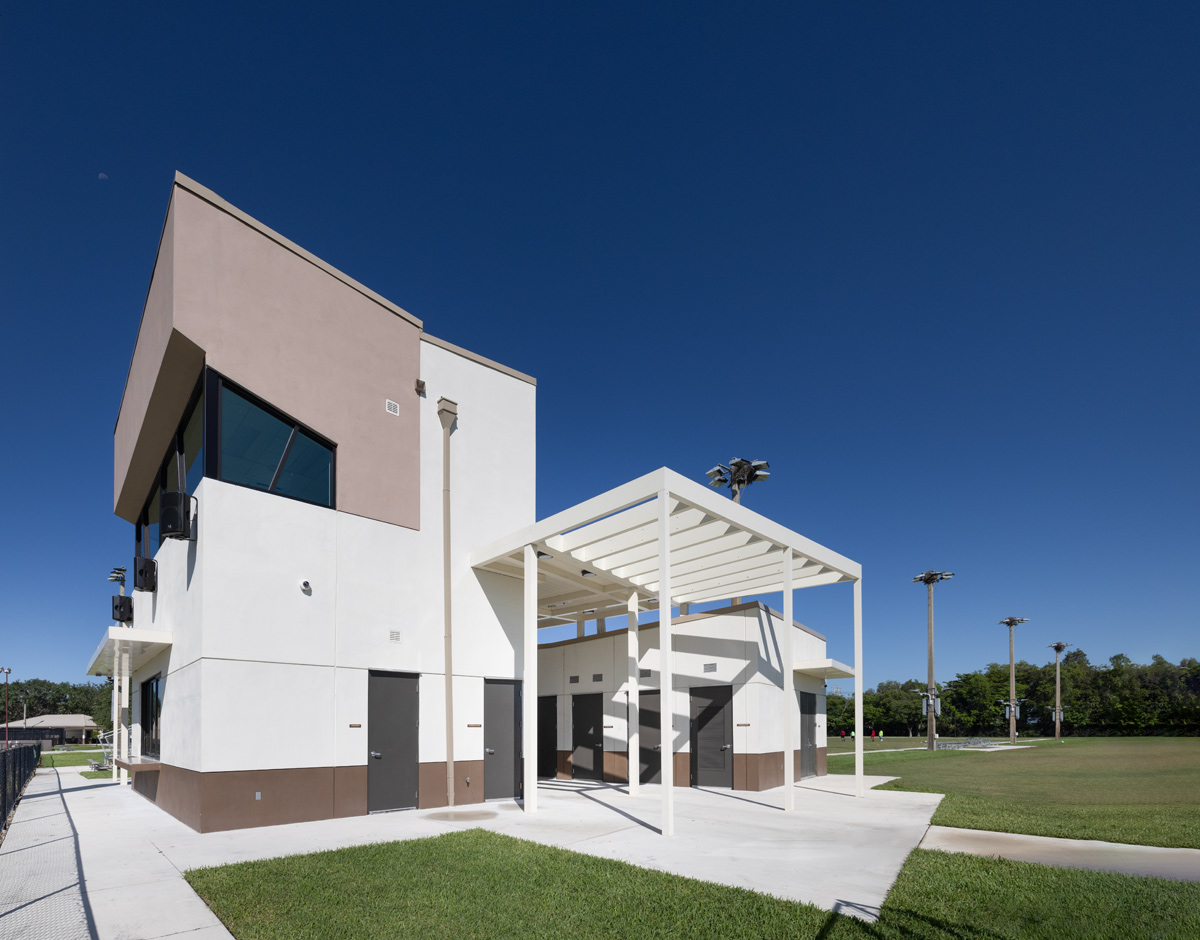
(593, 556)
(652, 543)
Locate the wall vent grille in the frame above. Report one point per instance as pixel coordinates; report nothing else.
(574, 680)
(710, 667)
(597, 677)
(644, 674)
(393, 408)
(394, 636)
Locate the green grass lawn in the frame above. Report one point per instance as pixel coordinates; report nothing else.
(477, 884)
(1144, 791)
(97, 774)
(65, 759)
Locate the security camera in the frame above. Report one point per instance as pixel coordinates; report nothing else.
(305, 587)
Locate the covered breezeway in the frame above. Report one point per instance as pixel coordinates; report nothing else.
(655, 543)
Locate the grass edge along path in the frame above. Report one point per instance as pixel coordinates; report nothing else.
(479, 884)
(1137, 791)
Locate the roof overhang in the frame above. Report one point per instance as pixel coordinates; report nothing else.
(595, 555)
(824, 669)
(141, 645)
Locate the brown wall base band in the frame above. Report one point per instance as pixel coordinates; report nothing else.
(431, 783)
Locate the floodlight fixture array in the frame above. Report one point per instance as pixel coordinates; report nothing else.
(738, 475)
(932, 702)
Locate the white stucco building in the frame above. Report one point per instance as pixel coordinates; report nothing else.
(338, 595)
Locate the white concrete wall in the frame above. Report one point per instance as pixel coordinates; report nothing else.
(742, 647)
(272, 676)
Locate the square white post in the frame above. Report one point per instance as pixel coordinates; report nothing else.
(858, 691)
(634, 745)
(530, 682)
(126, 679)
(789, 689)
(666, 664)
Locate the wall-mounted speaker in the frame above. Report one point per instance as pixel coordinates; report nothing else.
(122, 608)
(145, 574)
(175, 515)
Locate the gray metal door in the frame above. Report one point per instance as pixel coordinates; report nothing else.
(547, 736)
(808, 735)
(391, 741)
(501, 738)
(649, 738)
(587, 737)
(712, 736)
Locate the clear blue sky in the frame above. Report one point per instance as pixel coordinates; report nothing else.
(937, 262)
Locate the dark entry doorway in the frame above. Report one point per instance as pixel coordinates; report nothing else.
(712, 736)
(501, 738)
(808, 735)
(391, 741)
(547, 755)
(587, 737)
(649, 738)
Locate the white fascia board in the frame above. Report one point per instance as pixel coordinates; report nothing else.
(824, 669)
(146, 645)
(702, 497)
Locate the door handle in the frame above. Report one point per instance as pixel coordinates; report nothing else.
(376, 755)
(658, 747)
(726, 747)
(489, 750)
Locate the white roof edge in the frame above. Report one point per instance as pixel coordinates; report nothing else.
(203, 192)
(829, 668)
(475, 357)
(128, 633)
(648, 487)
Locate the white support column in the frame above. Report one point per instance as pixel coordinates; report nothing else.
(579, 626)
(530, 682)
(666, 664)
(116, 709)
(859, 789)
(634, 745)
(789, 689)
(126, 679)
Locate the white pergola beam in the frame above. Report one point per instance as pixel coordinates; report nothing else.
(732, 587)
(635, 538)
(646, 554)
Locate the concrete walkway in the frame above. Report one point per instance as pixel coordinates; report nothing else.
(92, 859)
(1176, 864)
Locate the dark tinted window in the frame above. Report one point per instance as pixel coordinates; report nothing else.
(252, 441)
(193, 446)
(307, 471)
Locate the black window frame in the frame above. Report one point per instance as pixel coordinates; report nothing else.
(214, 382)
(174, 452)
(152, 692)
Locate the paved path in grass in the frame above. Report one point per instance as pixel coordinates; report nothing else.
(92, 859)
(79, 862)
(1176, 864)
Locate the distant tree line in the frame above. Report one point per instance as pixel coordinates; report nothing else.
(1120, 698)
(34, 697)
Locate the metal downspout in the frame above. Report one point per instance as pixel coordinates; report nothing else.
(447, 414)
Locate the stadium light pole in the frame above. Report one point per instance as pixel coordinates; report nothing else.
(929, 579)
(1058, 649)
(1011, 622)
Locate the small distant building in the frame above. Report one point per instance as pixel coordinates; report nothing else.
(58, 729)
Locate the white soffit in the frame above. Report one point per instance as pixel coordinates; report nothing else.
(143, 645)
(824, 669)
(719, 549)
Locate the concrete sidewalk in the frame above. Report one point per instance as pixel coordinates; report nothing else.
(91, 859)
(1152, 861)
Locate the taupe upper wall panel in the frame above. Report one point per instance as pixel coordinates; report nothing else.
(292, 331)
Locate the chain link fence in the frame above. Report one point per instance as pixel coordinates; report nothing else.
(17, 765)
